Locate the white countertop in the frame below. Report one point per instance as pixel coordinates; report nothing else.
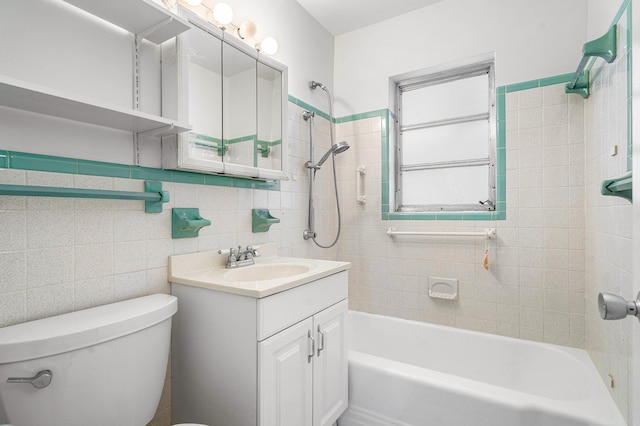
(205, 270)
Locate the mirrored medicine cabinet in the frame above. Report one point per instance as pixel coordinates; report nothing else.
(234, 97)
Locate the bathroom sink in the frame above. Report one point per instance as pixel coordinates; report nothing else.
(261, 272)
(271, 273)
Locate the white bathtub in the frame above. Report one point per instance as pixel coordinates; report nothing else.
(411, 373)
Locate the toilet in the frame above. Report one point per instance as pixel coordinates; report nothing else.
(99, 366)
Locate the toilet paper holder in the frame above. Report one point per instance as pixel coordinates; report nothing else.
(612, 306)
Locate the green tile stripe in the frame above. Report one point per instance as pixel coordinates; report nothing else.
(49, 163)
(241, 139)
(4, 159)
(308, 107)
(532, 84)
(362, 116)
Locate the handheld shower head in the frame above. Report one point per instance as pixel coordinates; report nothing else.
(335, 149)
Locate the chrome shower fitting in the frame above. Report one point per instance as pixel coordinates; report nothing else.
(613, 307)
(335, 150)
(308, 114)
(315, 84)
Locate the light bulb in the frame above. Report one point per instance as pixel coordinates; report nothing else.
(222, 13)
(194, 2)
(247, 29)
(269, 46)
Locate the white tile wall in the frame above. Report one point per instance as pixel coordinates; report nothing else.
(528, 291)
(608, 221)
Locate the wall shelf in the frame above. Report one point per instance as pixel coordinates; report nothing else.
(26, 96)
(142, 17)
(621, 186)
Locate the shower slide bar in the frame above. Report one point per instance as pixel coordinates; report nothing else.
(488, 233)
(153, 196)
(604, 47)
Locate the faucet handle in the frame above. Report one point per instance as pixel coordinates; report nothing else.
(254, 250)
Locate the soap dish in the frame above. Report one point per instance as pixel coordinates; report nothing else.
(443, 288)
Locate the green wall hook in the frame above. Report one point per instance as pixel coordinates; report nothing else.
(261, 220)
(186, 223)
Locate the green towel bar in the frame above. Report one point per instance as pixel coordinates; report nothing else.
(153, 196)
(604, 47)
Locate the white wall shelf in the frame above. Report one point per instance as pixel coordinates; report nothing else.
(26, 96)
(136, 16)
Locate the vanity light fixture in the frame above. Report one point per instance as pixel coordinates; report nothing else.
(247, 29)
(222, 13)
(269, 46)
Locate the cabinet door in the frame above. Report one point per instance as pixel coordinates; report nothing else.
(330, 390)
(285, 377)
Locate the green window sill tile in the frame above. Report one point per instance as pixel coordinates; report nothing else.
(477, 215)
(4, 159)
(43, 163)
(97, 168)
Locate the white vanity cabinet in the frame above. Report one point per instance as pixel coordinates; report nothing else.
(279, 360)
(303, 371)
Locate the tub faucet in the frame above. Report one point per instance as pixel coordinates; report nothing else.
(238, 258)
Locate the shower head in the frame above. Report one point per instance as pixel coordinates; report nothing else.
(335, 149)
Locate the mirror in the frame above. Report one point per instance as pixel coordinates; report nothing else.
(269, 143)
(235, 99)
(204, 86)
(239, 109)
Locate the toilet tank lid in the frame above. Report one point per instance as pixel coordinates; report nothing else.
(80, 329)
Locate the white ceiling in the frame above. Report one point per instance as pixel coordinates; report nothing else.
(342, 16)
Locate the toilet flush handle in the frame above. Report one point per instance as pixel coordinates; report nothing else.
(39, 381)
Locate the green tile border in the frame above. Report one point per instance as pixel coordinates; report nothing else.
(43, 163)
(308, 107)
(49, 163)
(97, 168)
(4, 159)
(533, 84)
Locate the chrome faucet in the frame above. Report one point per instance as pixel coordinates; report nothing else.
(238, 258)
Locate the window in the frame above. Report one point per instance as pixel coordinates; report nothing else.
(445, 141)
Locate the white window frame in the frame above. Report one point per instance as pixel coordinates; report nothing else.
(439, 77)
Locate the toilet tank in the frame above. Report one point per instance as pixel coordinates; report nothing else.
(107, 364)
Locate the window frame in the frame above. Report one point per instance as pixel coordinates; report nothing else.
(440, 77)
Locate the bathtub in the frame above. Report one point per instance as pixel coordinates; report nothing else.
(411, 373)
